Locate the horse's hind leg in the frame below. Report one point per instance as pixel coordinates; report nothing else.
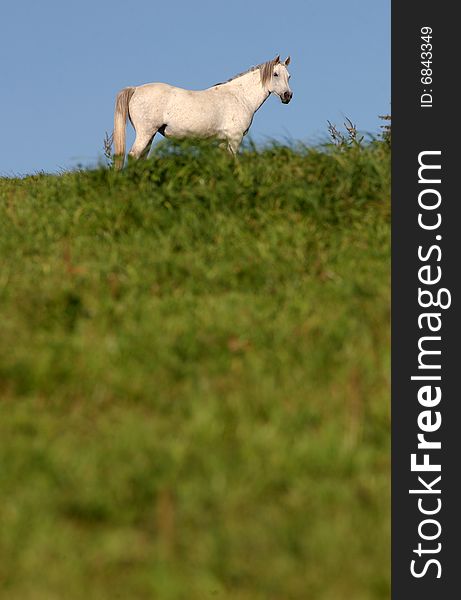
(142, 144)
(145, 152)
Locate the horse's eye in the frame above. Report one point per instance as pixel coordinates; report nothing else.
(276, 74)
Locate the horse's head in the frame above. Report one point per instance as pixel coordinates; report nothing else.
(280, 78)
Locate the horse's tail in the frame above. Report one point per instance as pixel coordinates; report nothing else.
(120, 117)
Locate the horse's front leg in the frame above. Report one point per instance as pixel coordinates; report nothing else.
(233, 144)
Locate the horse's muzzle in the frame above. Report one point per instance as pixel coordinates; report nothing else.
(286, 97)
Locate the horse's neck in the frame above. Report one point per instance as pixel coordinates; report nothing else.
(248, 87)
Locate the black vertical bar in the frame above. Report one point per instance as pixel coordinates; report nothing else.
(425, 123)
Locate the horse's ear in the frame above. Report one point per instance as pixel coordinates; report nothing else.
(277, 59)
(287, 61)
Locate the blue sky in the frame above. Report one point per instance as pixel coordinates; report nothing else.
(63, 62)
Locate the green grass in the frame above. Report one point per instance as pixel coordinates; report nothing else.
(194, 366)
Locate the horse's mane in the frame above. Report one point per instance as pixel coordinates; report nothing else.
(264, 68)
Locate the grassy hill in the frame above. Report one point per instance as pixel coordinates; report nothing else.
(194, 372)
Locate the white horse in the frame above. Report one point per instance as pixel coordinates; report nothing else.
(224, 111)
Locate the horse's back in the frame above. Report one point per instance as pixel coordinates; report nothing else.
(165, 89)
(153, 90)
(163, 96)
(183, 112)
